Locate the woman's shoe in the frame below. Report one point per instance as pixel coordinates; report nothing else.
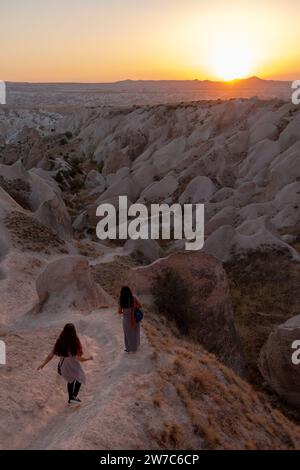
(77, 399)
(74, 401)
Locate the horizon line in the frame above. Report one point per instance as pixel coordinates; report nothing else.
(72, 82)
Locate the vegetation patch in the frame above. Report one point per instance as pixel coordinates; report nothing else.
(264, 289)
(111, 276)
(31, 234)
(18, 189)
(225, 412)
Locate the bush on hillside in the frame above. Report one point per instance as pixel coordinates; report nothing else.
(172, 299)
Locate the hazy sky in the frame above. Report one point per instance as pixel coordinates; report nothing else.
(108, 40)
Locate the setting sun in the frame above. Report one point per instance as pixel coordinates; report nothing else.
(231, 60)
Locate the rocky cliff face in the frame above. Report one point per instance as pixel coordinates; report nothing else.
(208, 300)
(278, 363)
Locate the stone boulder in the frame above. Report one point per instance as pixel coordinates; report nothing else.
(48, 176)
(145, 174)
(145, 250)
(225, 216)
(94, 179)
(68, 282)
(34, 193)
(200, 189)
(290, 135)
(81, 221)
(227, 243)
(284, 169)
(275, 361)
(114, 161)
(160, 190)
(123, 186)
(259, 157)
(54, 215)
(209, 295)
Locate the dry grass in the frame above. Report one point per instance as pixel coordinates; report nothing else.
(32, 235)
(172, 437)
(86, 249)
(18, 189)
(224, 411)
(263, 290)
(158, 400)
(111, 276)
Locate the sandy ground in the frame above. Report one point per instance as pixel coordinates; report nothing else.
(117, 386)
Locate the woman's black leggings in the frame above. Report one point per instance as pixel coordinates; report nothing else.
(73, 389)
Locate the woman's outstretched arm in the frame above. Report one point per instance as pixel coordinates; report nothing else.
(85, 359)
(48, 359)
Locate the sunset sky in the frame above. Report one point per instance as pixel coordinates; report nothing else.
(109, 40)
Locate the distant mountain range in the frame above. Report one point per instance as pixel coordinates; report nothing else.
(146, 91)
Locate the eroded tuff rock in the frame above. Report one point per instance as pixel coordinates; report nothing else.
(36, 194)
(240, 157)
(94, 179)
(209, 295)
(143, 250)
(275, 361)
(68, 281)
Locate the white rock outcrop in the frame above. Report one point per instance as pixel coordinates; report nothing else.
(68, 281)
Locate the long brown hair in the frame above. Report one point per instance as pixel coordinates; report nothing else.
(68, 342)
(126, 297)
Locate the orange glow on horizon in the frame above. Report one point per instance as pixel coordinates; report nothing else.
(93, 41)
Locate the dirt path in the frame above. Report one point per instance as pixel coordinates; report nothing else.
(107, 415)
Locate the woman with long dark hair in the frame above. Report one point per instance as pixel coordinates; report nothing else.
(69, 349)
(127, 305)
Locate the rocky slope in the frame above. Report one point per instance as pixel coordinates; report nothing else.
(241, 159)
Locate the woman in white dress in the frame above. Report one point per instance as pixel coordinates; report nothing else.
(69, 350)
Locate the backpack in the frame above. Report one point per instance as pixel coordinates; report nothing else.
(137, 312)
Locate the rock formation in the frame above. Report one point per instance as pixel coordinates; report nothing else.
(68, 281)
(209, 298)
(275, 362)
